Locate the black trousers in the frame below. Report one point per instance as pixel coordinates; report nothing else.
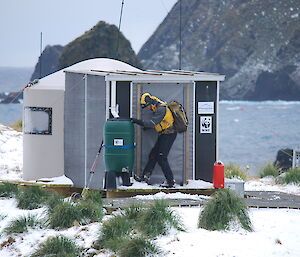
(159, 154)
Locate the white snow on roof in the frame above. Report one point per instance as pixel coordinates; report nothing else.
(57, 80)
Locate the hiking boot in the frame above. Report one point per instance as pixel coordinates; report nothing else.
(167, 184)
(138, 178)
(143, 178)
(147, 178)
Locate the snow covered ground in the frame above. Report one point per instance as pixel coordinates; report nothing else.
(276, 231)
(11, 153)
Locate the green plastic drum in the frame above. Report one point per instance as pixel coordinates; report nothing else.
(119, 145)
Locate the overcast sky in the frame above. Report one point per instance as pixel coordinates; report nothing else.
(61, 21)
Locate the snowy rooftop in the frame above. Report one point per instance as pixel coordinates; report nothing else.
(57, 80)
(115, 70)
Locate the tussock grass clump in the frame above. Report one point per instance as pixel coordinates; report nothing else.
(90, 212)
(17, 125)
(8, 190)
(292, 176)
(32, 197)
(130, 233)
(64, 215)
(158, 219)
(22, 224)
(270, 170)
(52, 201)
(94, 196)
(114, 231)
(235, 171)
(138, 247)
(59, 246)
(223, 209)
(133, 212)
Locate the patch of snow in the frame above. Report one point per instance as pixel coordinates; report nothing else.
(272, 237)
(275, 235)
(268, 184)
(192, 184)
(296, 15)
(61, 180)
(178, 195)
(11, 153)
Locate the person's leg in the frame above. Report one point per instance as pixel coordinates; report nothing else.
(152, 160)
(165, 144)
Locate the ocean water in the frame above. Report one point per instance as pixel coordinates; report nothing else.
(10, 113)
(250, 133)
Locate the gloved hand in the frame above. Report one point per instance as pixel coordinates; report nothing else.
(138, 122)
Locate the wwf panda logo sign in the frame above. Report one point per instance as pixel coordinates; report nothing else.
(205, 124)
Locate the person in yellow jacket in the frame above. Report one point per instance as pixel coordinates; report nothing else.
(162, 121)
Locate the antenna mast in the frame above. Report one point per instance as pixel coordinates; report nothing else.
(41, 49)
(180, 35)
(118, 38)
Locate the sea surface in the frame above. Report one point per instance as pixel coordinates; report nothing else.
(10, 113)
(250, 133)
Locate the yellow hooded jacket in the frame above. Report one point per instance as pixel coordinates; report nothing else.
(167, 121)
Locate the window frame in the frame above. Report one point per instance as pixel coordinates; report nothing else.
(47, 110)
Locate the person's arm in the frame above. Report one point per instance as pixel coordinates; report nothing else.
(156, 118)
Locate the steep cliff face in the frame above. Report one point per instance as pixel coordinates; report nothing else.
(48, 62)
(256, 44)
(100, 41)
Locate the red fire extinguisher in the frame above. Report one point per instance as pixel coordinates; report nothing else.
(218, 175)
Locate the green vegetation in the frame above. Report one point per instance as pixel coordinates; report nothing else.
(18, 125)
(222, 210)
(138, 247)
(270, 170)
(113, 232)
(235, 171)
(21, 224)
(133, 212)
(52, 201)
(99, 42)
(64, 215)
(90, 212)
(130, 233)
(158, 219)
(59, 246)
(292, 176)
(8, 190)
(32, 197)
(94, 196)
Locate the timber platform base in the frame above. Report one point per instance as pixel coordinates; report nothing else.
(121, 193)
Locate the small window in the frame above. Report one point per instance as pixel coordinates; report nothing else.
(38, 120)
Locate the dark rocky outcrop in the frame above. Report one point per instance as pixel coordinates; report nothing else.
(256, 44)
(100, 41)
(11, 98)
(48, 62)
(284, 159)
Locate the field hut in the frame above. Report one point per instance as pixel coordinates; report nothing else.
(64, 115)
